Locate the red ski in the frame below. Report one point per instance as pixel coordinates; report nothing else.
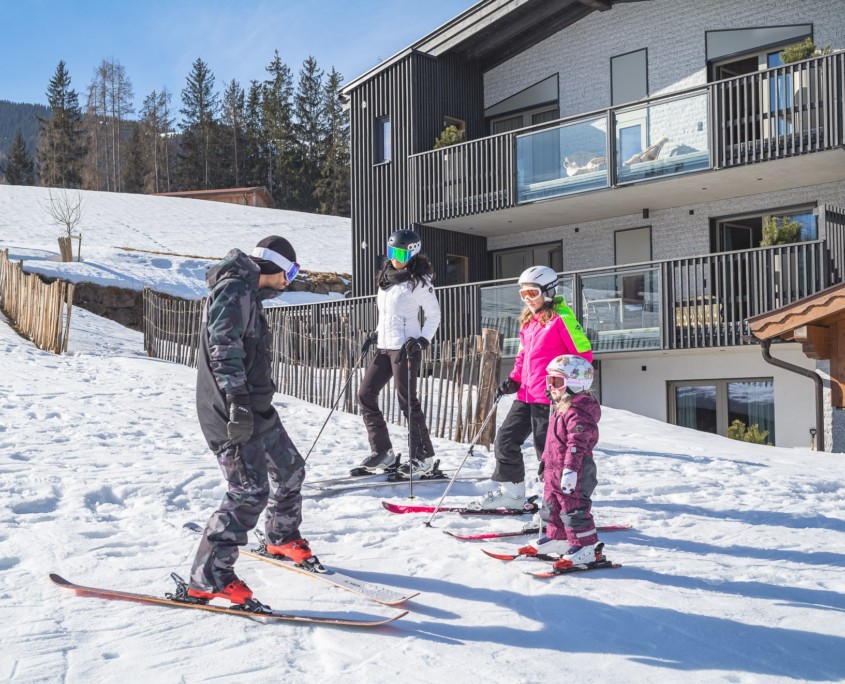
(530, 507)
(523, 532)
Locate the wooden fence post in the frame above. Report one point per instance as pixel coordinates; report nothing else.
(488, 376)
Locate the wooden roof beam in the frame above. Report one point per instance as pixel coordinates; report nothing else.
(815, 340)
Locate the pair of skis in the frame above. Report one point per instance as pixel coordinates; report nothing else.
(254, 609)
(558, 566)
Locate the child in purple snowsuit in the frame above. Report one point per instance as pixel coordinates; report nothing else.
(570, 471)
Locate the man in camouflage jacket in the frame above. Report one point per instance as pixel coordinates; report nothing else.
(235, 392)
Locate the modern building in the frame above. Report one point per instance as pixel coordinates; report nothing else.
(660, 155)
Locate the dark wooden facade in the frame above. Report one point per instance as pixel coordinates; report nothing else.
(416, 93)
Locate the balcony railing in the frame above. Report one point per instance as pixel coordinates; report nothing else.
(779, 112)
(690, 303)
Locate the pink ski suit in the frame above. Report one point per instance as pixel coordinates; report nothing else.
(539, 345)
(569, 446)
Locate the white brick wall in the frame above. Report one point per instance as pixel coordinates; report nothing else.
(673, 32)
(675, 232)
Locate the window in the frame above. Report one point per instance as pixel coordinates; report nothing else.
(383, 147)
(510, 263)
(629, 77)
(712, 405)
(513, 121)
(734, 52)
(745, 231)
(633, 246)
(457, 268)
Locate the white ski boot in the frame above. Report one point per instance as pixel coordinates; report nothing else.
(508, 495)
(379, 460)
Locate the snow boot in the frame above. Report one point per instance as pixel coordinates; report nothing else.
(419, 467)
(508, 495)
(546, 547)
(236, 591)
(580, 555)
(296, 550)
(379, 460)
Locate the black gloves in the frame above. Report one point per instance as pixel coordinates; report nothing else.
(369, 341)
(509, 386)
(415, 344)
(239, 427)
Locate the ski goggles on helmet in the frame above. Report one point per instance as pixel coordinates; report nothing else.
(556, 381)
(526, 293)
(399, 253)
(289, 268)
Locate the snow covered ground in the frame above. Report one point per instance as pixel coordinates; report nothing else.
(196, 228)
(734, 571)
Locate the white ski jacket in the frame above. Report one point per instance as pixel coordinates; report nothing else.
(399, 313)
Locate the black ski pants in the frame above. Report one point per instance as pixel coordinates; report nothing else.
(522, 420)
(383, 367)
(268, 467)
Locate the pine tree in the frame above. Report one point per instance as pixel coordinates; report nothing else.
(20, 168)
(333, 191)
(310, 132)
(200, 106)
(255, 140)
(233, 118)
(166, 122)
(137, 161)
(61, 145)
(277, 114)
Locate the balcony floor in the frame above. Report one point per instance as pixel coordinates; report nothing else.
(665, 193)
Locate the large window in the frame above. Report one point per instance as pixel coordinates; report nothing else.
(457, 269)
(745, 231)
(509, 263)
(735, 52)
(712, 405)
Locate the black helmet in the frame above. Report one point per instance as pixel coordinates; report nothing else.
(403, 245)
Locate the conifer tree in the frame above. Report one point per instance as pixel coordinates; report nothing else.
(277, 114)
(233, 118)
(333, 191)
(137, 165)
(61, 145)
(310, 132)
(20, 168)
(200, 105)
(256, 171)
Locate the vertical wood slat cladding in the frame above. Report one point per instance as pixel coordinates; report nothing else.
(416, 94)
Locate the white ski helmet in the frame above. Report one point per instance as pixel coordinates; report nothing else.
(544, 277)
(576, 369)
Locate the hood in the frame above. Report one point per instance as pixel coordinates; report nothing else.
(235, 265)
(587, 403)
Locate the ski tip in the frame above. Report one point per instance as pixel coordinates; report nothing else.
(499, 556)
(192, 526)
(59, 580)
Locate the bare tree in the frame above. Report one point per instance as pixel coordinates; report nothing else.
(66, 210)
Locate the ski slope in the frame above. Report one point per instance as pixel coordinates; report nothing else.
(734, 571)
(164, 237)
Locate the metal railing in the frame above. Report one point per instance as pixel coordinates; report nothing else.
(780, 112)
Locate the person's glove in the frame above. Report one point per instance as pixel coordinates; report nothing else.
(369, 341)
(414, 344)
(509, 386)
(241, 421)
(568, 481)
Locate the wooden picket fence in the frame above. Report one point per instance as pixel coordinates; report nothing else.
(317, 358)
(39, 311)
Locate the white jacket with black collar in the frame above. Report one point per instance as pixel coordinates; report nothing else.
(399, 313)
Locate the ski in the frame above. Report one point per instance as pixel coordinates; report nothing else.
(565, 570)
(252, 609)
(327, 490)
(559, 566)
(529, 507)
(374, 592)
(523, 532)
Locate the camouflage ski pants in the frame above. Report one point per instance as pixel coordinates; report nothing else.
(267, 467)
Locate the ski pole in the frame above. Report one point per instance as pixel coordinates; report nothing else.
(466, 456)
(337, 401)
(410, 453)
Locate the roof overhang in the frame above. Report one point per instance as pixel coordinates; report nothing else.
(493, 31)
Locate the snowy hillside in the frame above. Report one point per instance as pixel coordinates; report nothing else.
(733, 572)
(195, 228)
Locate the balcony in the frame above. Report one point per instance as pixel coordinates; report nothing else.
(698, 302)
(659, 153)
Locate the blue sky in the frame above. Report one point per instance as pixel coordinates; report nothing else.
(157, 41)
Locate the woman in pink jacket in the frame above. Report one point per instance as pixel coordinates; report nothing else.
(549, 329)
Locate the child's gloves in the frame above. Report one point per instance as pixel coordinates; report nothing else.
(568, 480)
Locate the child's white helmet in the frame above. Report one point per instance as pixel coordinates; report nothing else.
(577, 371)
(542, 276)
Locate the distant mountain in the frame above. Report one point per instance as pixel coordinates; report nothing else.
(18, 115)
